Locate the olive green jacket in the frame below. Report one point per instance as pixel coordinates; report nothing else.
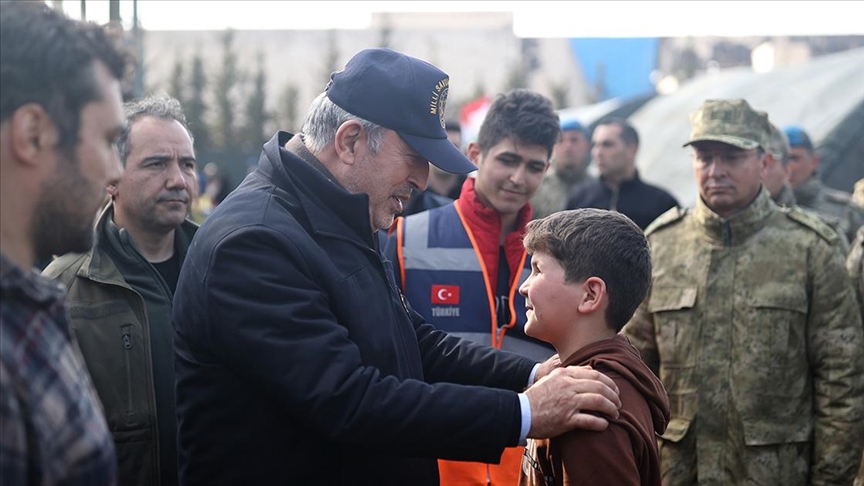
(752, 325)
(109, 321)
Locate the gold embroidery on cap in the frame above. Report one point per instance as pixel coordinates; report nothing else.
(439, 99)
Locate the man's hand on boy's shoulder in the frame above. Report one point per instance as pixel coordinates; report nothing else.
(567, 398)
(547, 366)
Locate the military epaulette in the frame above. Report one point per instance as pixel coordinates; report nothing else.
(813, 222)
(665, 219)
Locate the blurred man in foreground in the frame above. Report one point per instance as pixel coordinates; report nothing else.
(60, 114)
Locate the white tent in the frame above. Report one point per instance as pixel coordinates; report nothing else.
(817, 95)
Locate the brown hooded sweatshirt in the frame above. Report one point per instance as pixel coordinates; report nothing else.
(623, 454)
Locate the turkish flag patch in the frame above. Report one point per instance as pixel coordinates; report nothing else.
(445, 294)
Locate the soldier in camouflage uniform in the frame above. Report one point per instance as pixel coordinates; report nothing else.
(855, 265)
(809, 190)
(776, 180)
(751, 324)
(569, 169)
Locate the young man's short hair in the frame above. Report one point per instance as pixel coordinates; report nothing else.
(48, 59)
(522, 115)
(629, 135)
(598, 243)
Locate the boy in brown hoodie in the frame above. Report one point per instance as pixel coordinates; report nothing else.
(591, 268)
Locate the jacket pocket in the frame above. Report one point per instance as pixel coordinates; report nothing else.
(771, 331)
(126, 336)
(676, 430)
(675, 324)
(110, 336)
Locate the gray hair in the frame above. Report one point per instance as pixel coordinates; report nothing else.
(325, 117)
(160, 108)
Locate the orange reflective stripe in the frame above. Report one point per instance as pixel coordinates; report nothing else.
(489, 293)
(513, 287)
(400, 237)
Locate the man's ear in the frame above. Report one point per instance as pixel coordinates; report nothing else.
(32, 133)
(474, 153)
(594, 290)
(349, 138)
(112, 190)
(764, 164)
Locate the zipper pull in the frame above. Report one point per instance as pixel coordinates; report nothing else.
(127, 341)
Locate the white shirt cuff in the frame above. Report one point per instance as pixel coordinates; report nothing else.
(533, 374)
(525, 407)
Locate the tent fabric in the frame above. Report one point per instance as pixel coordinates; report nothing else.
(823, 96)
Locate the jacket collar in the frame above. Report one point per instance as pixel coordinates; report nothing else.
(329, 208)
(786, 197)
(486, 220)
(808, 191)
(735, 230)
(485, 225)
(623, 185)
(108, 237)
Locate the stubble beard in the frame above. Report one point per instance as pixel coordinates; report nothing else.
(61, 225)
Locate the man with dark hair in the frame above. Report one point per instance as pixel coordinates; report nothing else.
(751, 323)
(60, 113)
(120, 290)
(297, 358)
(590, 270)
(568, 169)
(619, 188)
(460, 265)
(809, 190)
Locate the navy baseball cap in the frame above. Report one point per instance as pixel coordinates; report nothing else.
(404, 94)
(797, 137)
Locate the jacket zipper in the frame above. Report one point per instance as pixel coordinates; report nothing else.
(127, 351)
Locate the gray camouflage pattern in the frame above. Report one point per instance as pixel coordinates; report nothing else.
(813, 194)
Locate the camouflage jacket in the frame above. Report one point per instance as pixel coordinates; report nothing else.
(855, 265)
(786, 198)
(814, 195)
(751, 324)
(553, 193)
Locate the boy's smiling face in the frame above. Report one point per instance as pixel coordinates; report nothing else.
(550, 301)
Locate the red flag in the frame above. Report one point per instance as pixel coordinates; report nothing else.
(445, 294)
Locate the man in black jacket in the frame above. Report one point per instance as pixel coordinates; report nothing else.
(619, 188)
(298, 360)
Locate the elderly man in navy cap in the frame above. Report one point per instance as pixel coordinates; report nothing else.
(568, 169)
(297, 358)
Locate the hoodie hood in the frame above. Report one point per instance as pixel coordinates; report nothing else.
(617, 356)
